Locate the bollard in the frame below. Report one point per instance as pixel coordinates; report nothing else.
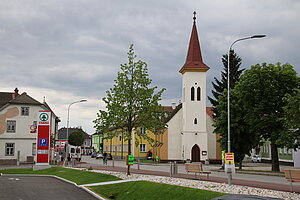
(175, 167)
(138, 164)
(113, 162)
(18, 158)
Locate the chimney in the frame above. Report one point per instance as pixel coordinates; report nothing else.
(173, 105)
(14, 95)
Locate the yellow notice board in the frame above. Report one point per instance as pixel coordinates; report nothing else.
(229, 158)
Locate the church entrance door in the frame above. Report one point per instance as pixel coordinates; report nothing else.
(195, 153)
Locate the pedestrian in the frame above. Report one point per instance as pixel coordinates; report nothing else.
(105, 158)
(68, 160)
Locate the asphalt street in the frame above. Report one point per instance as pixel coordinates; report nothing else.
(212, 168)
(39, 187)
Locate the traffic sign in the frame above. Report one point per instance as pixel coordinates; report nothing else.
(229, 158)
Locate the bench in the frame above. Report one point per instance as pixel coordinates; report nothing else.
(196, 168)
(293, 176)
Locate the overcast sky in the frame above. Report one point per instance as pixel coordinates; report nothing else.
(67, 50)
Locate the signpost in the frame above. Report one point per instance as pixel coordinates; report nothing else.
(229, 163)
(43, 137)
(130, 159)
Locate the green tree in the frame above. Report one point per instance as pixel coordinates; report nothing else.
(291, 139)
(235, 73)
(261, 90)
(131, 104)
(242, 141)
(76, 138)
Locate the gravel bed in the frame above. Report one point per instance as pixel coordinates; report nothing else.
(217, 187)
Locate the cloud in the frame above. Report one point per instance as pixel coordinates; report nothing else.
(68, 50)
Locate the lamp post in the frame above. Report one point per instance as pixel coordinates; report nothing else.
(228, 94)
(80, 101)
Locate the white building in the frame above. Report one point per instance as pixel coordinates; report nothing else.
(189, 135)
(18, 120)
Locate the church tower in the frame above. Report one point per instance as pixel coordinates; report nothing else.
(194, 133)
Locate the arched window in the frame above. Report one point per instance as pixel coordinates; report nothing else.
(192, 94)
(198, 94)
(195, 121)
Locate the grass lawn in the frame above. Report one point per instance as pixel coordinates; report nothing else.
(78, 176)
(149, 190)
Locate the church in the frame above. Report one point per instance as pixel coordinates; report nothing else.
(189, 134)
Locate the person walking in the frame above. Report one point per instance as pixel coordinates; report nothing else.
(105, 158)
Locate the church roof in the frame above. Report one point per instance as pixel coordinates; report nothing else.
(194, 60)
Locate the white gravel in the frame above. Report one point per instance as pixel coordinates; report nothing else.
(217, 187)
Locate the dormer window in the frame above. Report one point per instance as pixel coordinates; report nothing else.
(143, 131)
(192, 94)
(24, 111)
(198, 94)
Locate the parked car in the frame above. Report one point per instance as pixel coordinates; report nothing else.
(256, 158)
(94, 155)
(99, 156)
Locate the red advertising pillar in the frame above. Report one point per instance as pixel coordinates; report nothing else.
(43, 138)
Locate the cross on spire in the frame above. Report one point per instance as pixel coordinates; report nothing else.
(194, 13)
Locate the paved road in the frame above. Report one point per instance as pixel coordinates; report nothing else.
(37, 188)
(181, 169)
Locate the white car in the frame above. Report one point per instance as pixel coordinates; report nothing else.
(256, 158)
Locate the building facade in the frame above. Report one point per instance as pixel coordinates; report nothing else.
(97, 142)
(18, 125)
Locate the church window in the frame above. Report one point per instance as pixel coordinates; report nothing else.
(195, 121)
(192, 94)
(198, 94)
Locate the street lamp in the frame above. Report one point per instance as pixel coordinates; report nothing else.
(228, 94)
(83, 100)
(80, 101)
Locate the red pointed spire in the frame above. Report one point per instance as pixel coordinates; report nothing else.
(194, 58)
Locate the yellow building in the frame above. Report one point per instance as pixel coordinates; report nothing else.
(118, 146)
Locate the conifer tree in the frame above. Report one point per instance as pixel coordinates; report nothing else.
(235, 73)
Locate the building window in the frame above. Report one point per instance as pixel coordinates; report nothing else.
(143, 131)
(195, 121)
(198, 94)
(11, 126)
(192, 94)
(33, 149)
(24, 111)
(142, 148)
(9, 149)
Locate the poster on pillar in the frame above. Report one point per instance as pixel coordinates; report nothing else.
(43, 137)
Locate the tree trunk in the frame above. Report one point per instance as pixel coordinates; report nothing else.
(274, 157)
(129, 153)
(240, 163)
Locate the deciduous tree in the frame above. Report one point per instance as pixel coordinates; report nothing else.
(131, 104)
(261, 90)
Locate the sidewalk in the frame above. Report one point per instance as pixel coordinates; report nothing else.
(245, 180)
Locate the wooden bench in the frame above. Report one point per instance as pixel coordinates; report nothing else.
(293, 176)
(196, 168)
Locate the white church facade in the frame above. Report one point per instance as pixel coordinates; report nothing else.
(189, 135)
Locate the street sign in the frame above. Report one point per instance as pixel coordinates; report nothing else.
(43, 137)
(229, 158)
